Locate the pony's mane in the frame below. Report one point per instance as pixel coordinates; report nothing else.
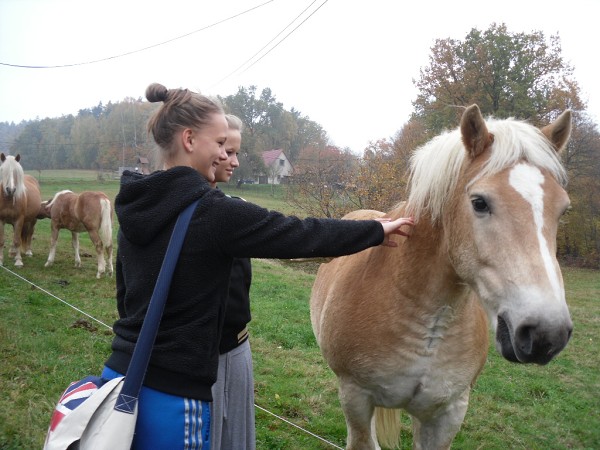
(58, 194)
(435, 167)
(11, 168)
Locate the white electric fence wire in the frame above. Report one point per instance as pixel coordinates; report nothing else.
(110, 328)
(54, 296)
(294, 425)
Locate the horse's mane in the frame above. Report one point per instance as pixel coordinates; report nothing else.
(435, 167)
(11, 168)
(55, 196)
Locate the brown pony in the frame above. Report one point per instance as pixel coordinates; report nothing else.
(89, 211)
(19, 206)
(405, 328)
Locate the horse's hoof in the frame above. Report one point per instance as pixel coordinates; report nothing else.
(48, 264)
(19, 264)
(29, 253)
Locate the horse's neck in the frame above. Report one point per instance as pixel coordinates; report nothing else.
(425, 269)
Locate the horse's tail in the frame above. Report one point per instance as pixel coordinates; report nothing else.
(105, 231)
(388, 427)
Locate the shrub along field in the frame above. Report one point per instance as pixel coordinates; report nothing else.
(45, 344)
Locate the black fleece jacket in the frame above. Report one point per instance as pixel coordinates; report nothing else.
(185, 356)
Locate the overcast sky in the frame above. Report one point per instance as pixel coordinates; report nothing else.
(347, 64)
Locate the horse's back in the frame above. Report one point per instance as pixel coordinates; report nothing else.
(363, 214)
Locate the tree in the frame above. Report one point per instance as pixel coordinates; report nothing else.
(506, 74)
(267, 126)
(380, 179)
(318, 182)
(579, 237)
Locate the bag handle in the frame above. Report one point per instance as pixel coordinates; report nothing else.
(127, 400)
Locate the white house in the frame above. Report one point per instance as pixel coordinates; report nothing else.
(278, 168)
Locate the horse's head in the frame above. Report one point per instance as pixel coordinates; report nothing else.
(45, 211)
(11, 176)
(500, 215)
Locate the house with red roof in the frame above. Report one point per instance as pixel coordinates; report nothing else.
(278, 168)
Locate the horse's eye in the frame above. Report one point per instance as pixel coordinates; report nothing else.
(480, 205)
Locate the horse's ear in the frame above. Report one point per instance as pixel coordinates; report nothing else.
(475, 135)
(18, 157)
(2, 157)
(559, 131)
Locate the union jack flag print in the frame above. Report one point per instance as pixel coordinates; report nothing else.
(75, 395)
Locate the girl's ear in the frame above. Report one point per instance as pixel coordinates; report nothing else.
(187, 137)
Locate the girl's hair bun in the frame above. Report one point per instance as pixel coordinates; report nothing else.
(156, 92)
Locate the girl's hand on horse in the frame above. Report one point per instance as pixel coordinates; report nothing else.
(393, 227)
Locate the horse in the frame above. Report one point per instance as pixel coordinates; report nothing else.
(89, 211)
(406, 328)
(20, 201)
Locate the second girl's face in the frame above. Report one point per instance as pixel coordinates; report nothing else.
(208, 146)
(225, 169)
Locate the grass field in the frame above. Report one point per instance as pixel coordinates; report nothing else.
(45, 344)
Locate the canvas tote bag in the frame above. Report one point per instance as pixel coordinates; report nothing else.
(98, 414)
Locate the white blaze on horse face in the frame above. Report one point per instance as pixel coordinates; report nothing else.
(527, 181)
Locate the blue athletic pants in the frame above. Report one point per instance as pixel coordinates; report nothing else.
(168, 422)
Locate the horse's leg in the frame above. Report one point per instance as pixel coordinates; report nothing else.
(358, 410)
(95, 238)
(109, 256)
(16, 245)
(1, 242)
(27, 237)
(439, 431)
(53, 240)
(75, 244)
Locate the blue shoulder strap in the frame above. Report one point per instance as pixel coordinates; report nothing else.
(127, 400)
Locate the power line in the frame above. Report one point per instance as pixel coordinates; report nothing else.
(268, 43)
(286, 36)
(139, 50)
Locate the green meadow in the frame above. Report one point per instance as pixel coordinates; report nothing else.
(55, 328)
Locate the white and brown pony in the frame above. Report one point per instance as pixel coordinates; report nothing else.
(19, 206)
(405, 328)
(89, 211)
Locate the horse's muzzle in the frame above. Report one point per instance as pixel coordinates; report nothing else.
(9, 191)
(530, 342)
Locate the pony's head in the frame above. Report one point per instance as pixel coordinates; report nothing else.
(45, 211)
(495, 191)
(12, 176)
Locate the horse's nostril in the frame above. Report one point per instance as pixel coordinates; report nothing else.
(524, 338)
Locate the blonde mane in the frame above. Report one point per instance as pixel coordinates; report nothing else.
(436, 166)
(55, 196)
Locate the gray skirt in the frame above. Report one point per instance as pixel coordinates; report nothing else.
(232, 410)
